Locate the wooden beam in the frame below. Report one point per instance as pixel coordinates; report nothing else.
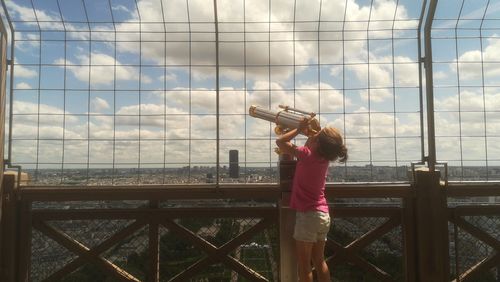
(341, 254)
(154, 247)
(81, 250)
(475, 210)
(374, 234)
(369, 190)
(409, 241)
(8, 230)
(149, 192)
(473, 190)
(221, 212)
(482, 266)
(269, 191)
(476, 232)
(24, 241)
(431, 226)
(366, 211)
(217, 254)
(103, 246)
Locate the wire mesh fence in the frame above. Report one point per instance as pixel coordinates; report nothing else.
(149, 88)
(464, 36)
(471, 250)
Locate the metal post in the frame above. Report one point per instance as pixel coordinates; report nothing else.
(23, 239)
(409, 239)
(288, 262)
(429, 86)
(8, 230)
(154, 247)
(431, 223)
(420, 84)
(217, 95)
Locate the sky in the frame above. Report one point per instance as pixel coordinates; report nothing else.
(139, 89)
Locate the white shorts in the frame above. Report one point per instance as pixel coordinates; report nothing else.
(311, 226)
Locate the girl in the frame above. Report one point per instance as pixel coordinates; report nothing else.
(308, 195)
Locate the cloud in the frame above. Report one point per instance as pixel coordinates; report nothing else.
(21, 71)
(383, 77)
(469, 101)
(256, 52)
(472, 64)
(23, 85)
(98, 104)
(103, 71)
(42, 19)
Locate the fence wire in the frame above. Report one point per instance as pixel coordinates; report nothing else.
(465, 33)
(152, 91)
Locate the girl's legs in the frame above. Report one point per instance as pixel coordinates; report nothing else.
(318, 258)
(304, 251)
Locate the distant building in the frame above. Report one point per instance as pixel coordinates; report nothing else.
(210, 178)
(234, 169)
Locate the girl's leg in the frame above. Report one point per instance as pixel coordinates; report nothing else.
(318, 258)
(304, 250)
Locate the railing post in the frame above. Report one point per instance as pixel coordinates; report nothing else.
(288, 262)
(8, 229)
(24, 241)
(154, 246)
(409, 240)
(431, 224)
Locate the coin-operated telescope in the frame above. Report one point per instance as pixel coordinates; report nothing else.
(287, 119)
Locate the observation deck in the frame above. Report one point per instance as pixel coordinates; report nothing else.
(118, 118)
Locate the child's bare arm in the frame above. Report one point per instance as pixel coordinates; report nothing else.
(284, 141)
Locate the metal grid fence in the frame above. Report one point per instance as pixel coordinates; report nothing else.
(159, 90)
(152, 91)
(466, 88)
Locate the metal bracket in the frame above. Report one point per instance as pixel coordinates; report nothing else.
(18, 168)
(445, 175)
(413, 170)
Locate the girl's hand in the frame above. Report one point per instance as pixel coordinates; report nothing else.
(304, 125)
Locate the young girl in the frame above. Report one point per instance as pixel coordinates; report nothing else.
(308, 195)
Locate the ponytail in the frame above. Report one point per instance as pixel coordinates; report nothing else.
(330, 145)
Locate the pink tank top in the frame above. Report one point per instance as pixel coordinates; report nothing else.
(308, 190)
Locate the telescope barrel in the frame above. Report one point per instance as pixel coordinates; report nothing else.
(288, 118)
(262, 113)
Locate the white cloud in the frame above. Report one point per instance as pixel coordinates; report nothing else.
(98, 104)
(21, 71)
(381, 79)
(42, 18)
(469, 101)
(257, 54)
(103, 71)
(168, 77)
(23, 85)
(21, 107)
(470, 66)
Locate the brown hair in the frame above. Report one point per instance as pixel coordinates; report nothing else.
(331, 145)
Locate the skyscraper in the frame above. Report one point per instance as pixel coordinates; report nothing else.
(234, 169)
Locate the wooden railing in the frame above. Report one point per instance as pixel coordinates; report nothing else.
(420, 221)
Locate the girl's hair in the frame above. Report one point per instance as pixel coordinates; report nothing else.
(331, 145)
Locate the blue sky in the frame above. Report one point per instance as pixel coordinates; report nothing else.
(148, 97)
